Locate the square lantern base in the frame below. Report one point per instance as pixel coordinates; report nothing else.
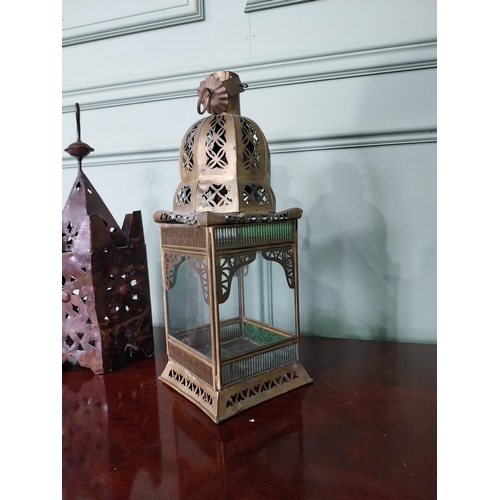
(233, 399)
(231, 308)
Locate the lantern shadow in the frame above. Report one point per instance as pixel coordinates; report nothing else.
(151, 204)
(349, 279)
(284, 201)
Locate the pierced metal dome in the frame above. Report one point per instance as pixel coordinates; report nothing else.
(224, 158)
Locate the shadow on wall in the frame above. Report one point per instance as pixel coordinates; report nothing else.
(348, 282)
(281, 183)
(151, 204)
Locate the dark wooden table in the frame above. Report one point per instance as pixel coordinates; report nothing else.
(365, 429)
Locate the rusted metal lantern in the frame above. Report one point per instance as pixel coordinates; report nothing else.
(229, 262)
(105, 284)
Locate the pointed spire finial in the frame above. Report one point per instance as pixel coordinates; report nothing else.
(78, 149)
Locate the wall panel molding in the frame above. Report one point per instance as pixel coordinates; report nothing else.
(255, 5)
(100, 27)
(257, 74)
(170, 152)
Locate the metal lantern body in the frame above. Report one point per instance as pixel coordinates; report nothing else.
(105, 290)
(230, 276)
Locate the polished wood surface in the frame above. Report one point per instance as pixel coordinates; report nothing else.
(364, 429)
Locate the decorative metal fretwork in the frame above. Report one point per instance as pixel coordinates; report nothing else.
(85, 207)
(217, 195)
(164, 216)
(230, 331)
(187, 148)
(191, 363)
(130, 333)
(123, 290)
(199, 264)
(76, 288)
(245, 218)
(176, 235)
(261, 388)
(198, 339)
(183, 196)
(105, 306)
(212, 218)
(285, 258)
(172, 262)
(250, 140)
(226, 269)
(70, 232)
(80, 334)
(216, 143)
(247, 367)
(189, 385)
(261, 234)
(255, 194)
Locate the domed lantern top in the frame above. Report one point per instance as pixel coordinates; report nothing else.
(224, 159)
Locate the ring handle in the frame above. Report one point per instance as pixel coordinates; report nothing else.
(204, 100)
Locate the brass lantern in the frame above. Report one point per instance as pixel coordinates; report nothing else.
(229, 264)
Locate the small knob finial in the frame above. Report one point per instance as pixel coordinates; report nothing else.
(78, 149)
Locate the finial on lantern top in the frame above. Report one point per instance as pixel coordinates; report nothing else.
(219, 93)
(78, 149)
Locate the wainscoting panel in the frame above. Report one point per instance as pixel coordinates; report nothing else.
(98, 19)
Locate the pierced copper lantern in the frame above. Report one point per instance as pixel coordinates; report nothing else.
(229, 262)
(105, 283)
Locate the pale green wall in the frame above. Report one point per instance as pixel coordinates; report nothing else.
(346, 95)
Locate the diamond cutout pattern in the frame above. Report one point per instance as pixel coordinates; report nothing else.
(183, 196)
(187, 150)
(217, 195)
(255, 194)
(216, 144)
(250, 140)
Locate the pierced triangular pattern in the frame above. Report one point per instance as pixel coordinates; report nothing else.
(261, 388)
(84, 200)
(191, 386)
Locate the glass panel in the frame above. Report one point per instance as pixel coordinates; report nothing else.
(260, 310)
(188, 313)
(282, 298)
(268, 296)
